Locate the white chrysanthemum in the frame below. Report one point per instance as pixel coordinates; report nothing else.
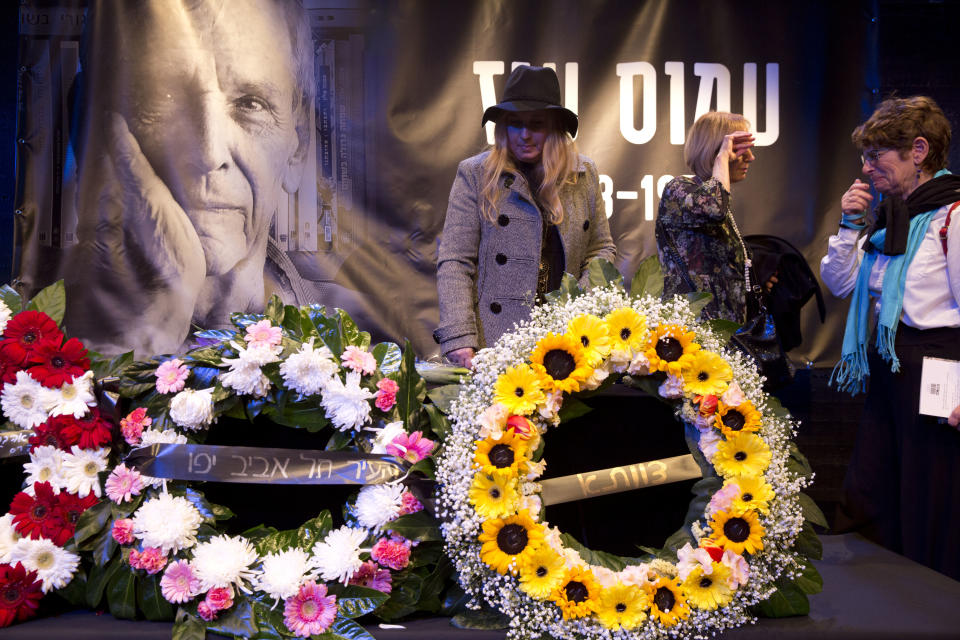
(72, 398)
(80, 468)
(5, 315)
(23, 402)
(338, 556)
(46, 465)
(255, 356)
(155, 436)
(54, 565)
(168, 522)
(385, 435)
(378, 504)
(8, 537)
(192, 408)
(245, 378)
(309, 370)
(347, 403)
(224, 561)
(282, 573)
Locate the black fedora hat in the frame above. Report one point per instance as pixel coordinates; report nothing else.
(532, 89)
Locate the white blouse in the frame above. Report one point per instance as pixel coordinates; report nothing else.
(931, 297)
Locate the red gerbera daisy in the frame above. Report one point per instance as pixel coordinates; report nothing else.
(51, 433)
(57, 364)
(90, 432)
(25, 332)
(20, 593)
(8, 369)
(37, 515)
(70, 507)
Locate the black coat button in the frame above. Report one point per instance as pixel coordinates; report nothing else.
(495, 307)
(503, 220)
(586, 225)
(501, 259)
(508, 182)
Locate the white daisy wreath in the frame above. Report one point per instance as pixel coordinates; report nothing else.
(744, 554)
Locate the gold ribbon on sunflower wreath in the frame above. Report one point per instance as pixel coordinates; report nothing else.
(750, 535)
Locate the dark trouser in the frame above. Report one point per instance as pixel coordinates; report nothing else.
(903, 483)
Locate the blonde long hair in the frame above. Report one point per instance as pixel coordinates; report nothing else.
(558, 165)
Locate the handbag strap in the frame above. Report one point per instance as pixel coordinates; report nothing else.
(946, 224)
(675, 255)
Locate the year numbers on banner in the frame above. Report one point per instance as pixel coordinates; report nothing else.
(649, 192)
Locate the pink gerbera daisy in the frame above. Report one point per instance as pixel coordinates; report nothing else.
(358, 360)
(311, 611)
(373, 577)
(179, 584)
(412, 448)
(133, 425)
(171, 376)
(263, 334)
(123, 483)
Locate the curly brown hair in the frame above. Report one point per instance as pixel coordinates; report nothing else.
(897, 122)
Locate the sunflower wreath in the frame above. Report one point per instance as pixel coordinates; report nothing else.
(159, 549)
(748, 538)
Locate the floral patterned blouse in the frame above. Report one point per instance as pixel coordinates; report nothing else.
(694, 218)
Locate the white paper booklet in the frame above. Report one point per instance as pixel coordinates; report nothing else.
(939, 387)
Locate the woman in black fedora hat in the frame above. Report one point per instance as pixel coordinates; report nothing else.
(520, 214)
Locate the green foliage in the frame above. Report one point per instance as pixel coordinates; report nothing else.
(355, 601)
(573, 408)
(812, 512)
(698, 300)
(808, 542)
(151, 601)
(439, 423)
(603, 273)
(412, 390)
(441, 397)
(347, 629)
(304, 537)
(122, 594)
(599, 558)
(483, 619)
(238, 621)
(51, 300)
(188, 627)
(419, 526)
(11, 298)
(648, 280)
(568, 290)
(723, 328)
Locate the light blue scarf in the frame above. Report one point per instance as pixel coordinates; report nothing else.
(852, 370)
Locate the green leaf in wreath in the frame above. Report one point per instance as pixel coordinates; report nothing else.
(808, 542)
(116, 366)
(329, 331)
(412, 390)
(91, 522)
(568, 290)
(434, 582)
(599, 558)
(388, 356)
(798, 463)
(51, 300)
(355, 601)
(404, 596)
(441, 397)
(427, 467)
(648, 280)
(419, 526)
(152, 603)
(788, 600)
(351, 334)
(314, 530)
(270, 620)
(698, 300)
(809, 581)
(811, 511)
(76, 590)
(573, 408)
(237, 621)
(301, 414)
(723, 328)
(339, 440)
(98, 579)
(291, 319)
(603, 273)
(439, 423)
(122, 594)
(347, 629)
(188, 627)
(483, 619)
(274, 310)
(11, 298)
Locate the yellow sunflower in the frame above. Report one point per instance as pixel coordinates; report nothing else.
(541, 572)
(627, 329)
(755, 493)
(577, 594)
(668, 347)
(518, 389)
(592, 333)
(708, 591)
(494, 495)
(705, 373)
(509, 541)
(668, 604)
(743, 418)
(738, 531)
(560, 362)
(506, 455)
(622, 605)
(742, 454)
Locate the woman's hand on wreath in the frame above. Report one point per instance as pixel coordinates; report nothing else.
(856, 200)
(954, 419)
(462, 357)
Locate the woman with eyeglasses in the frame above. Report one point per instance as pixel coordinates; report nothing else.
(901, 263)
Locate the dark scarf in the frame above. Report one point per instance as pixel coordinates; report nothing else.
(895, 214)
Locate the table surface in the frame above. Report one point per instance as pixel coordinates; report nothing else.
(869, 593)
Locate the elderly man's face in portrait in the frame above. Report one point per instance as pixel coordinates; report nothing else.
(210, 100)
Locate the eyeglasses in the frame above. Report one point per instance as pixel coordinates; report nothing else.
(872, 155)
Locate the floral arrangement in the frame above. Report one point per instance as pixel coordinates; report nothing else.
(749, 536)
(46, 388)
(157, 548)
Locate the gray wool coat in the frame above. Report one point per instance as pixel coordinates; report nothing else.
(487, 271)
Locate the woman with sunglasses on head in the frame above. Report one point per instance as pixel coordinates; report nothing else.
(519, 216)
(698, 242)
(902, 265)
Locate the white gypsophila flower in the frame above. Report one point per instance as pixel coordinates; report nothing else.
(281, 574)
(168, 522)
(54, 565)
(156, 436)
(223, 561)
(347, 404)
(385, 435)
(5, 315)
(72, 398)
(80, 468)
(246, 378)
(192, 408)
(338, 555)
(46, 465)
(309, 370)
(8, 537)
(378, 504)
(22, 402)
